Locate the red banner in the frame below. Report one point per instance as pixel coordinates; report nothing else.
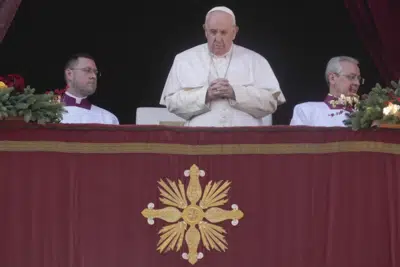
(74, 196)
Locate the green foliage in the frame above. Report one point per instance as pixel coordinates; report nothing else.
(39, 108)
(370, 108)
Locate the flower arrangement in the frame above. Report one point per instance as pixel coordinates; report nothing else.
(380, 106)
(20, 102)
(347, 102)
(57, 94)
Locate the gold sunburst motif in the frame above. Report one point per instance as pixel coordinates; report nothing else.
(193, 215)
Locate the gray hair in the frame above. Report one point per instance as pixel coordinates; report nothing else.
(334, 65)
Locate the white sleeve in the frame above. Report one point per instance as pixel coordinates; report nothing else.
(299, 116)
(115, 120)
(261, 98)
(183, 102)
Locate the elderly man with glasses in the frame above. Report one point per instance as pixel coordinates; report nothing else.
(81, 77)
(343, 77)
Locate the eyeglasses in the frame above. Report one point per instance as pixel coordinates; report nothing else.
(89, 71)
(352, 77)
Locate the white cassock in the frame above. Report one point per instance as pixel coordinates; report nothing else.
(318, 114)
(79, 110)
(256, 88)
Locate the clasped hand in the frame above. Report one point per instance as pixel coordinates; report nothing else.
(220, 88)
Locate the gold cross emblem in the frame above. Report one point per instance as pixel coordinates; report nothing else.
(195, 221)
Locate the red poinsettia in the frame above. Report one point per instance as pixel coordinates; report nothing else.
(14, 80)
(392, 98)
(4, 80)
(58, 91)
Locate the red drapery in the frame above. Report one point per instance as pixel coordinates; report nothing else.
(8, 9)
(73, 196)
(378, 24)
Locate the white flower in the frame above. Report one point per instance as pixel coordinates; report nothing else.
(349, 100)
(342, 99)
(391, 109)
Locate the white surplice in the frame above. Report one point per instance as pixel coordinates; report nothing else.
(94, 115)
(256, 88)
(318, 114)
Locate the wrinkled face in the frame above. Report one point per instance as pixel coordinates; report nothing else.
(220, 32)
(82, 78)
(347, 81)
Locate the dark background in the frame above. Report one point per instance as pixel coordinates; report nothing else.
(134, 44)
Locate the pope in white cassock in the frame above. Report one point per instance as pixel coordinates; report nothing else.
(81, 76)
(220, 84)
(343, 77)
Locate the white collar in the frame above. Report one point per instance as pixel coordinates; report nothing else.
(78, 99)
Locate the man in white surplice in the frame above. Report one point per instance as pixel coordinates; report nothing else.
(81, 76)
(220, 84)
(343, 77)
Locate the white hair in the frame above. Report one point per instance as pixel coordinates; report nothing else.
(222, 9)
(334, 65)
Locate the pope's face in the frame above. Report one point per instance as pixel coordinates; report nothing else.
(83, 77)
(220, 32)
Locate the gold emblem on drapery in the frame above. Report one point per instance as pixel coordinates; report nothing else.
(193, 215)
